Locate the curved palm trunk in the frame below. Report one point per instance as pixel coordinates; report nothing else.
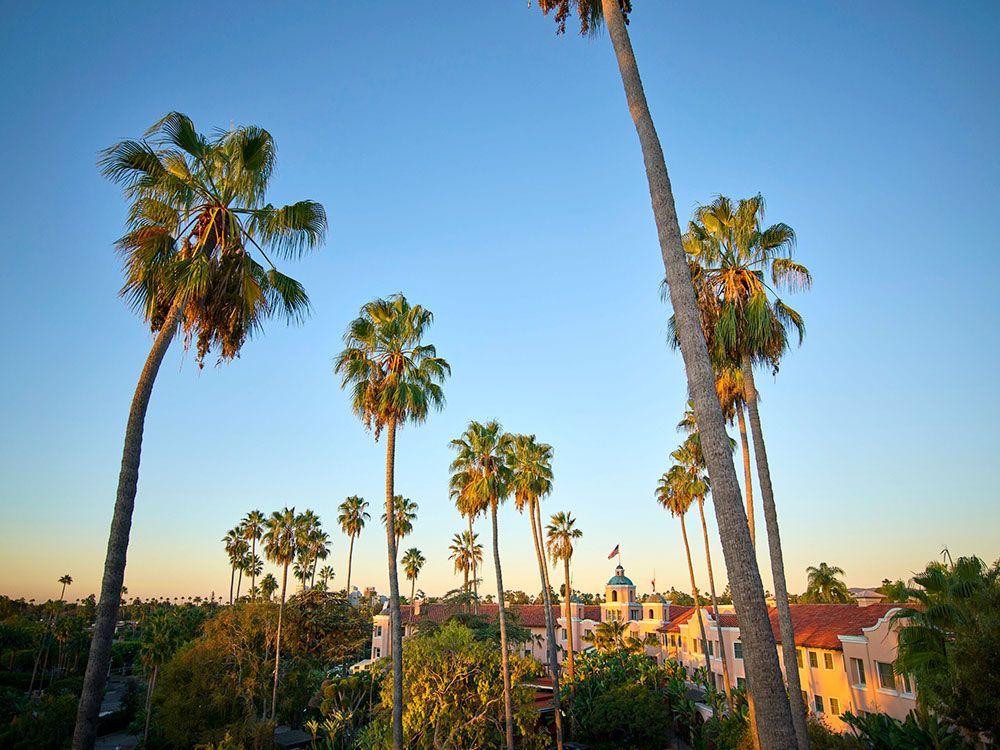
(550, 629)
(85, 732)
(569, 623)
(277, 643)
(350, 557)
(763, 670)
(413, 590)
(694, 595)
(396, 635)
(508, 707)
(62, 595)
(149, 705)
(777, 561)
(715, 605)
(232, 582)
(239, 583)
(747, 474)
(475, 573)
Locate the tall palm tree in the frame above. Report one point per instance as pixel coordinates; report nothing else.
(823, 585)
(197, 224)
(325, 575)
(561, 534)
(235, 546)
(394, 378)
(66, 580)
(283, 532)
(413, 562)
(268, 585)
(531, 464)
(161, 637)
(352, 517)
(689, 456)
(763, 669)
(253, 566)
(319, 549)
(739, 265)
(253, 528)
(406, 514)
(675, 493)
(480, 481)
(465, 551)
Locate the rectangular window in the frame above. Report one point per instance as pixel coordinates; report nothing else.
(813, 660)
(564, 634)
(378, 631)
(741, 682)
(886, 678)
(835, 707)
(711, 648)
(858, 672)
(907, 686)
(818, 703)
(737, 650)
(805, 698)
(798, 657)
(378, 652)
(828, 660)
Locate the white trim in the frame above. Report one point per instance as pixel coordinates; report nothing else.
(882, 619)
(853, 639)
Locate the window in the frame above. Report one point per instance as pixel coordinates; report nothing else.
(798, 657)
(614, 596)
(378, 631)
(564, 634)
(886, 678)
(711, 648)
(835, 707)
(805, 698)
(907, 686)
(741, 682)
(818, 703)
(813, 660)
(588, 632)
(858, 672)
(828, 660)
(737, 650)
(650, 614)
(377, 652)
(527, 652)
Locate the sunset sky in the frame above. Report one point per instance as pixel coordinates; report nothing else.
(488, 169)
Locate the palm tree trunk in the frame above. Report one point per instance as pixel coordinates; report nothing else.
(763, 670)
(277, 642)
(694, 595)
(239, 582)
(350, 557)
(569, 623)
(508, 706)
(396, 635)
(62, 595)
(253, 569)
(149, 705)
(715, 605)
(475, 573)
(550, 628)
(99, 659)
(777, 561)
(747, 474)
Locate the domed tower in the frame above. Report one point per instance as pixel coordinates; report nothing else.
(619, 598)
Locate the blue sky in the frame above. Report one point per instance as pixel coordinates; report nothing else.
(488, 169)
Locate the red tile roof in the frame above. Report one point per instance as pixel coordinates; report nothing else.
(818, 625)
(678, 615)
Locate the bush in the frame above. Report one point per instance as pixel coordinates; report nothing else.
(42, 724)
(633, 716)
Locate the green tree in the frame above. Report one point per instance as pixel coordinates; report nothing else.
(531, 464)
(325, 576)
(197, 218)
(738, 266)
(161, 637)
(252, 527)
(66, 580)
(762, 666)
(561, 537)
(268, 585)
(480, 481)
(406, 513)
(235, 547)
(394, 378)
(352, 517)
(824, 585)
(465, 552)
(283, 532)
(413, 562)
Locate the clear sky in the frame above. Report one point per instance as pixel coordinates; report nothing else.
(488, 169)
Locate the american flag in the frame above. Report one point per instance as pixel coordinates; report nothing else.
(613, 552)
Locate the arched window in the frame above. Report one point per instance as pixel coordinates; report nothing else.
(650, 614)
(614, 596)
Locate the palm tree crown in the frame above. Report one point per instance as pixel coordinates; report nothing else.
(824, 584)
(562, 534)
(480, 475)
(202, 234)
(405, 511)
(412, 562)
(352, 515)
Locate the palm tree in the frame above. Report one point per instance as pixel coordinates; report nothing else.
(763, 669)
(268, 585)
(531, 464)
(738, 266)
(253, 566)
(465, 551)
(66, 580)
(675, 492)
(394, 379)
(413, 561)
(198, 217)
(325, 575)
(235, 547)
(161, 638)
(406, 514)
(253, 528)
(690, 457)
(562, 535)
(824, 585)
(352, 518)
(282, 541)
(319, 547)
(608, 636)
(480, 481)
